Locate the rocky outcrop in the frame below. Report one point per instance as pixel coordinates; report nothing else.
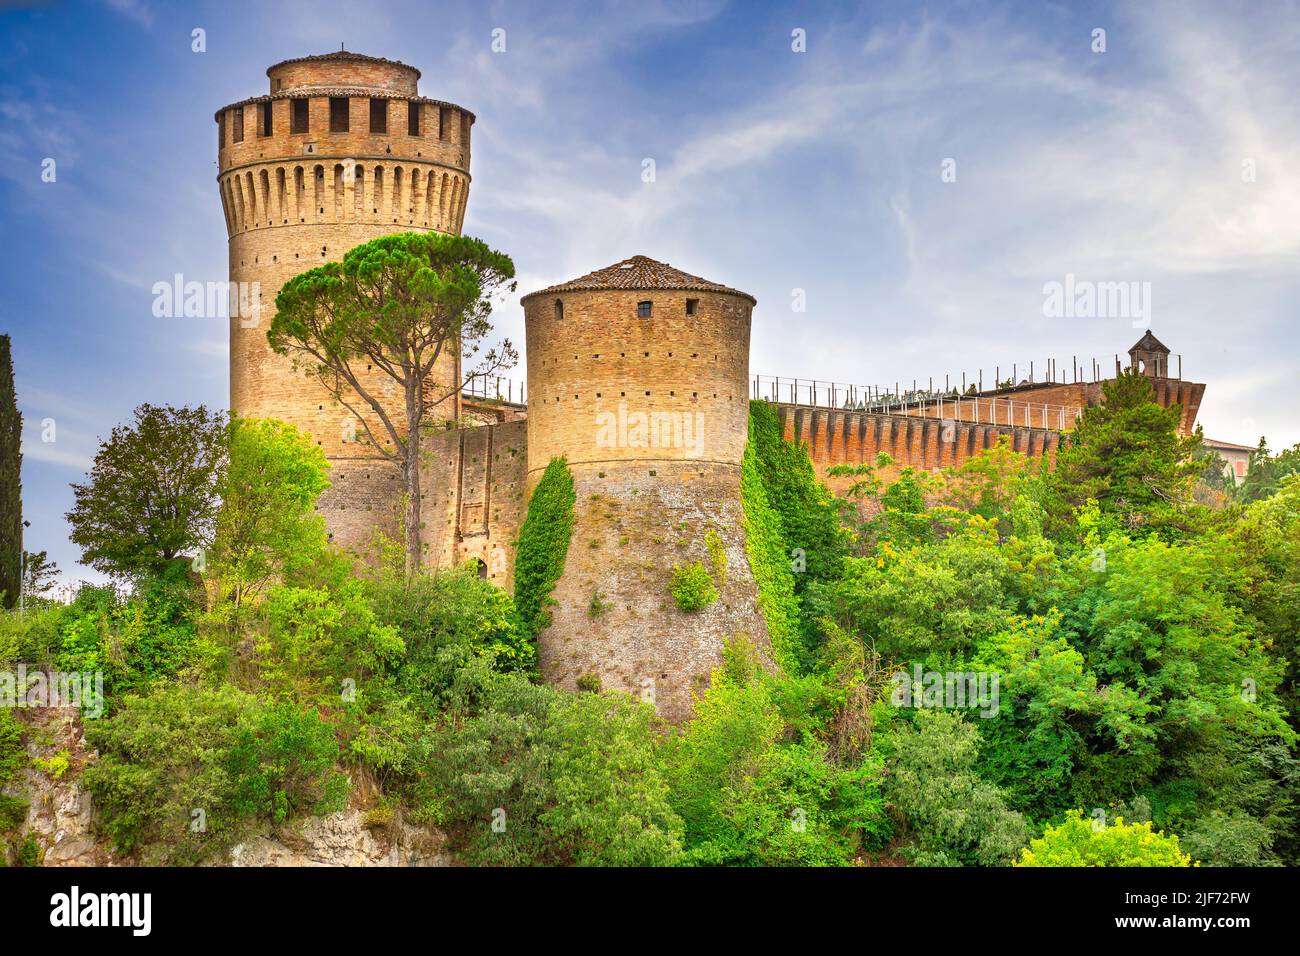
(348, 838)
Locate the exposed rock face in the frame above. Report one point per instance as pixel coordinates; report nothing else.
(343, 839)
(59, 814)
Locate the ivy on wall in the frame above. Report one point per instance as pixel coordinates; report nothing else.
(543, 545)
(769, 560)
(806, 509)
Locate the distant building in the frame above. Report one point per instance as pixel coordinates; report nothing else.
(1236, 458)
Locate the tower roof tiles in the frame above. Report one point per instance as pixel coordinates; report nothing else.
(640, 273)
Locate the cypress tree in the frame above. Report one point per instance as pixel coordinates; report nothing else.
(11, 502)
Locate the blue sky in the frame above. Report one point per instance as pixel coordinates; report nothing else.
(776, 171)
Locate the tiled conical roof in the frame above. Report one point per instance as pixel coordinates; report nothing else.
(345, 55)
(639, 273)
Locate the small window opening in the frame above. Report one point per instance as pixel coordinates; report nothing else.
(413, 118)
(338, 114)
(692, 305)
(266, 118)
(238, 133)
(444, 124)
(644, 309)
(298, 119)
(559, 309)
(378, 116)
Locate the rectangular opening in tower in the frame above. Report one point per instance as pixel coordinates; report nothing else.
(237, 133)
(298, 121)
(378, 116)
(266, 118)
(413, 118)
(444, 123)
(338, 114)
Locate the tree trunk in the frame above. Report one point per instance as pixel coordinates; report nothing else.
(411, 474)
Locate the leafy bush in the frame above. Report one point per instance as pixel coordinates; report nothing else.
(956, 818)
(1076, 842)
(183, 772)
(162, 758)
(527, 775)
(750, 795)
(692, 587)
(282, 763)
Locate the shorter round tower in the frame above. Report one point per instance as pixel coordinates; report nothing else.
(638, 376)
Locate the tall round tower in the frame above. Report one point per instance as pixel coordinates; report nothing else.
(638, 375)
(341, 150)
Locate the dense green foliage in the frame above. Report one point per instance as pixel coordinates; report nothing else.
(1128, 456)
(11, 460)
(543, 545)
(1266, 472)
(152, 493)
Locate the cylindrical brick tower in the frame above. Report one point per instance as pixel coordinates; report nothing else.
(638, 375)
(343, 149)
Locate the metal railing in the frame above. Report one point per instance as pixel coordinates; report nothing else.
(951, 405)
(495, 388)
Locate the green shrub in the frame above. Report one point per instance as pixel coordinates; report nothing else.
(1077, 842)
(543, 545)
(162, 758)
(753, 791)
(692, 587)
(528, 775)
(956, 819)
(184, 772)
(282, 763)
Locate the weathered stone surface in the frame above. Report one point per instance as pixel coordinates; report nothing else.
(343, 839)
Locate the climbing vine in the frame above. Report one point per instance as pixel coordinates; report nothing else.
(543, 546)
(769, 560)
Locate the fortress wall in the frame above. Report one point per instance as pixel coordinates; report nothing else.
(1010, 406)
(473, 484)
(836, 437)
(630, 528)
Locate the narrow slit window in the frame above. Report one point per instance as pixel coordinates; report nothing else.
(338, 114)
(238, 134)
(644, 309)
(559, 309)
(413, 118)
(378, 116)
(298, 120)
(266, 118)
(444, 124)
